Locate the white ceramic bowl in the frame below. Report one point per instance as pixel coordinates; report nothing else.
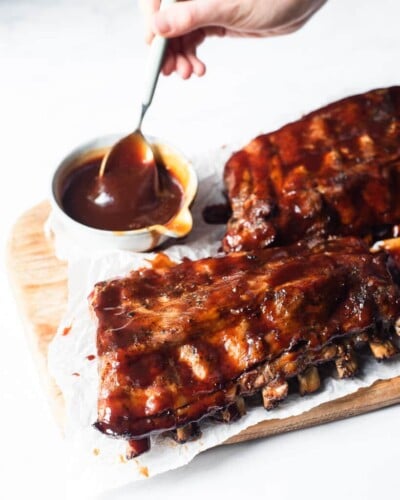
(139, 240)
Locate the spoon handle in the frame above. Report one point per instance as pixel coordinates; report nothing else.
(156, 55)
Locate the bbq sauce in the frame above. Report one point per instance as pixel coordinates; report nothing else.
(218, 213)
(183, 331)
(112, 202)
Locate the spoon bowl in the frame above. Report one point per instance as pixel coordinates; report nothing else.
(132, 158)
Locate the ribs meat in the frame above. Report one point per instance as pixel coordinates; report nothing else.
(334, 172)
(178, 343)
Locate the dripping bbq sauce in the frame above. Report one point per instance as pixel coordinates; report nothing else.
(83, 186)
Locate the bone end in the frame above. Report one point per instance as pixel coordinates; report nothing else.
(189, 432)
(383, 349)
(273, 393)
(309, 381)
(136, 447)
(329, 352)
(346, 362)
(233, 412)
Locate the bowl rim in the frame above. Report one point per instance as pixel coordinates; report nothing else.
(106, 141)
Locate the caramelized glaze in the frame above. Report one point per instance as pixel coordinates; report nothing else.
(334, 172)
(176, 341)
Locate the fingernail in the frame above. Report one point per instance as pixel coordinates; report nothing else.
(162, 25)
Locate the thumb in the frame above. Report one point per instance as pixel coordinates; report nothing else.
(184, 17)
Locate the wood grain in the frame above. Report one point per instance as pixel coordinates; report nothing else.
(39, 282)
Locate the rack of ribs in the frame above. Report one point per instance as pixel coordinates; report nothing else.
(336, 171)
(181, 342)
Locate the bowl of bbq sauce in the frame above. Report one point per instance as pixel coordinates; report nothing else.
(83, 207)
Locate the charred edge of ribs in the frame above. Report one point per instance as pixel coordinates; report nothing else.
(275, 390)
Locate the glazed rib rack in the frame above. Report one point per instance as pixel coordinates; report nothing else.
(336, 171)
(178, 343)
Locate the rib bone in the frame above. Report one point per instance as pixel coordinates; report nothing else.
(329, 352)
(233, 412)
(249, 381)
(309, 380)
(382, 349)
(274, 392)
(186, 433)
(346, 362)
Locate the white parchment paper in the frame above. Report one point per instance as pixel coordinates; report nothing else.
(97, 462)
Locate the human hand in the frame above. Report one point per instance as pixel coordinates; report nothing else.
(189, 23)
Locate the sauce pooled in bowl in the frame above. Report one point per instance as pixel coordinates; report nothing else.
(115, 201)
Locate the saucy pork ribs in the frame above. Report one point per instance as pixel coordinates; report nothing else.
(178, 343)
(181, 342)
(334, 172)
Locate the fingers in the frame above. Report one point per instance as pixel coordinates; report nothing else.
(183, 66)
(199, 68)
(189, 44)
(185, 17)
(187, 23)
(148, 8)
(169, 65)
(181, 57)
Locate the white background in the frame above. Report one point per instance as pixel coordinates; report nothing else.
(70, 70)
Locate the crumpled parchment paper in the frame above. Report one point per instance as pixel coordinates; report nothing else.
(97, 462)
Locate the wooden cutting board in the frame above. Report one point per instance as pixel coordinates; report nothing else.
(39, 282)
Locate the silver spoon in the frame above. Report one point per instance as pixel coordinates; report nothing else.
(134, 151)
